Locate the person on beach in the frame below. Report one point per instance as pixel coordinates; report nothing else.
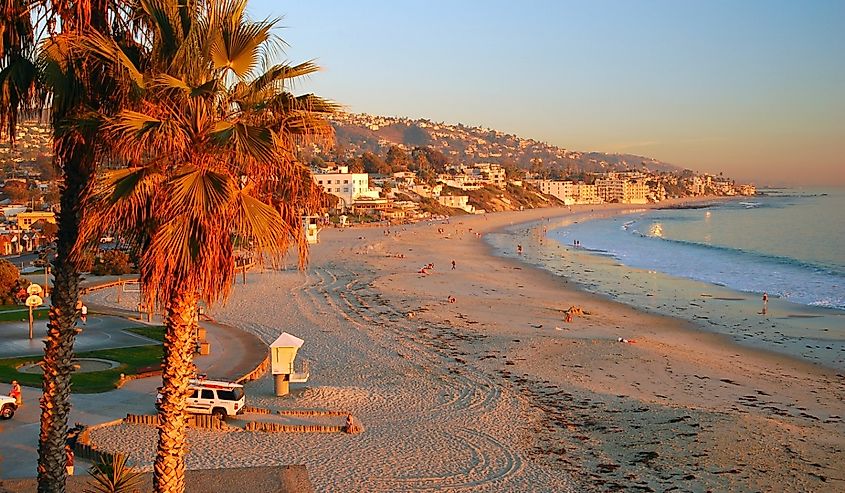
(765, 298)
(84, 314)
(453, 265)
(69, 459)
(15, 393)
(519, 249)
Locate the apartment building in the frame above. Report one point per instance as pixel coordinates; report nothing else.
(347, 186)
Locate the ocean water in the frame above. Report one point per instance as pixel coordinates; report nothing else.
(711, 265)
(789, 244)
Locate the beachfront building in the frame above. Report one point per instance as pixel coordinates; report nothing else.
(461, 181)
(747, 190)
(456, 202)
(424, 190)
(563, 190)
(370, 205)
(622, 190)
(404, 179)
(569, 192)
(346, 186)
(586, 193)
(490, 173)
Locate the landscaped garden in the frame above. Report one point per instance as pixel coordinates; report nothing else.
(131, 361)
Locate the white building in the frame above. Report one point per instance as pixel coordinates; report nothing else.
(344, 185)
(563, 190)
(456, 202)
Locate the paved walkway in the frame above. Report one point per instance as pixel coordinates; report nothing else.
(233, 354)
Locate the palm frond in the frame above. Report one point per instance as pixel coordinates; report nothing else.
(112, 55)
(199, 191)
(236, 47)
(260, 222)
(278, 74)
(20, 92)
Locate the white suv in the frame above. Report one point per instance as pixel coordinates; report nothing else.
(214, 397)
(8, 406)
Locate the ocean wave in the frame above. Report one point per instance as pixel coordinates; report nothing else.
(775, 259)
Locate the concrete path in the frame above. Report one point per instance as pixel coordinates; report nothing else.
(233, 354)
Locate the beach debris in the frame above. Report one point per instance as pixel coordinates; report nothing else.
(626, 341)
(573, 311)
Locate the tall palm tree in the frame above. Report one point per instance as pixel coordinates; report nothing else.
(209, 145)
(67, 91)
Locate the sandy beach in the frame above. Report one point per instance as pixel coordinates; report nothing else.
(495, 392)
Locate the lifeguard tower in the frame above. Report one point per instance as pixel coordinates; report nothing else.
(311, 225)
(282, 353)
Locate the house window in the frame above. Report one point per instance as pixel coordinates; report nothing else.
(346, 182)
(320, 182)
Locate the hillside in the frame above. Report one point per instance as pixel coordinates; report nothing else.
(359, 133)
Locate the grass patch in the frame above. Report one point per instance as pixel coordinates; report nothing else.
(132, 360)
(154, 332)
(18, 313)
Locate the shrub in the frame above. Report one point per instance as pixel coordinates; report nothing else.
(12, 285)
(112, 263)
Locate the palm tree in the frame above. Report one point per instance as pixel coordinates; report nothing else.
(67, 91)
(209, 150)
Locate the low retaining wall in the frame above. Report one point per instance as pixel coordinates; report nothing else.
(257, 372)
(350, 427)
(144, 374)
(84, 449)
(200, 421)
(280, 428)
(294, 412)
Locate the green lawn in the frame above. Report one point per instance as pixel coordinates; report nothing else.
(133, 360)
(154, 332)
(18, 313)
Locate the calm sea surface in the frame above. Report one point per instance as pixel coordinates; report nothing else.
(711, 265)
(789, 244)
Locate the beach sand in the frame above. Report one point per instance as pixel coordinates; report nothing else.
(495, 392)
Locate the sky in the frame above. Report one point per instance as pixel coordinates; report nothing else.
(753, 89)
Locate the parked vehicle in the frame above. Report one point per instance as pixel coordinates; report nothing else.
(7, 407)
(214, 397)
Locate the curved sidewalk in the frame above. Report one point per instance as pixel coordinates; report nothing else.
(234, 353)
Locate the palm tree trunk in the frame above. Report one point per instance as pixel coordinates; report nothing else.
(179, 340)
(61, 334)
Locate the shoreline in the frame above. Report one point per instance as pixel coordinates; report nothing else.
(498, 393)
(797, 331)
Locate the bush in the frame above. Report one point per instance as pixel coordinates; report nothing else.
(11, 284)
(112, 263)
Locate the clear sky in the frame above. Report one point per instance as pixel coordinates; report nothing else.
(754, 89)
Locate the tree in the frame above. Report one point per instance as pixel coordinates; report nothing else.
(26, 79)
(49, 231)
(397, 159)
(112, 263)
(17, 191)
(430, 156)
(9, 275)
(373, 163)
(210, 145)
